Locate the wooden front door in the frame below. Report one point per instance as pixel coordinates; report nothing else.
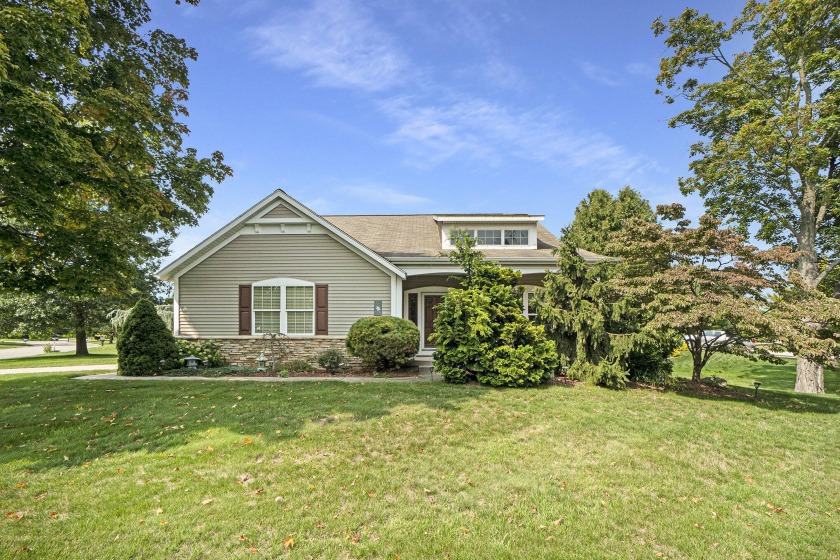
(430, 303)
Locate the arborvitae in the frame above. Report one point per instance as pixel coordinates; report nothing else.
(144, 342)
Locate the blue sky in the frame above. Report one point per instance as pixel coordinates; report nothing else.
(422, 106)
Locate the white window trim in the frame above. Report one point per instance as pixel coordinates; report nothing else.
(282, 283)
(446, 233)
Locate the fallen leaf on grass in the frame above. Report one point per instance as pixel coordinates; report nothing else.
(243, 538)
(20, 485)
(252, 550)
(41, 496)
(774, 508)
(288, 542)
(207, 501)
(246, 441)
(54, 514)
(14, 514)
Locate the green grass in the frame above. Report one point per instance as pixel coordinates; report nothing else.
(11, 344)
(743, 373)
(98, 355)
(176, 469)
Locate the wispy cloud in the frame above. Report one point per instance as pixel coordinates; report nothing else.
(481, 129)
(603, 76)
(388, 196)
(336, 43)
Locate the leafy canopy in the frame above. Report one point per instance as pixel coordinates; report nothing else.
(691, 280)
(93, 171)
(770, 125)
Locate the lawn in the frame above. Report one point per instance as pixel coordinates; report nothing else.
(743, 373)
(98, 355)
(174, 469)
(11, 344)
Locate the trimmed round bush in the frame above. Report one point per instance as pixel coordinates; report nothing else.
(383, 342)
(331, 360)
(144, 342)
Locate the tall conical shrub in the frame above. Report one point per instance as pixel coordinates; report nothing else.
(144, 341)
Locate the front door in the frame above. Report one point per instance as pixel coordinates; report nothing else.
(430, 304)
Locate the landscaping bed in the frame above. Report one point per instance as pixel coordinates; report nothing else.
(249, 371)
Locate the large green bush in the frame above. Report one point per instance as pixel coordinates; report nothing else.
(144, 342)
(480, 332)
(206, 351)
(383, 342)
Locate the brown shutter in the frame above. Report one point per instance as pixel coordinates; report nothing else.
(321, 309)
(412, 308)
(244, 309)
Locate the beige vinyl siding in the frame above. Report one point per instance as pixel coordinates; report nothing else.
(208, 293)
(280, 212)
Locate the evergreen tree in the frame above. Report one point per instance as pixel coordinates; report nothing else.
(145, 342)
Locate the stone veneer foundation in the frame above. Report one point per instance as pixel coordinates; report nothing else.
(244, 350)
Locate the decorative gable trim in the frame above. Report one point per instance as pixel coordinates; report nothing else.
(230, 231)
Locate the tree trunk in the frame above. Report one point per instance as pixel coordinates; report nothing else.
(809, 377)
(698, 369)
(81, 332)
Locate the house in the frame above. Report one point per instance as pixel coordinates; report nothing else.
(281, 268)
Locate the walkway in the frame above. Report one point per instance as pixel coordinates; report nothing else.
(59, 369)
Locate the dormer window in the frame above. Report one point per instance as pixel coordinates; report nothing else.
(492, 237)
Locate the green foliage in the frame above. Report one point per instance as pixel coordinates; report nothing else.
(298, 366)
(144, 342)
(331, 360)
(599, 216)
(480, 331)
(597, 327)
(383, 342)
(206, 350)
(48, 348)
(95, 176)
(769, 120)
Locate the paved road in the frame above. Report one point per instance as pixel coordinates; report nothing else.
(34, 348)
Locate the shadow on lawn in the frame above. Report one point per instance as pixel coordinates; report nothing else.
(46, 419)
(770, 399)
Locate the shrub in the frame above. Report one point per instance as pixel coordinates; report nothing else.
(298, 366)
(206, 350)
(144, 342)
(48, 348)
(383, 342)
(331, 360)
(480, 331)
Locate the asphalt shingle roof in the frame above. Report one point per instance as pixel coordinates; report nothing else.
(418, 235)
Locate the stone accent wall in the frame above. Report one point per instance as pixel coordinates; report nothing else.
(244, 350)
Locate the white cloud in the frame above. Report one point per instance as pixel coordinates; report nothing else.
(603, 76)
(335, 43)
(384, 195)
(480, 129)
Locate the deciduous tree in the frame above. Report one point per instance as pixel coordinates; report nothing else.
(692, 280)
(94, 174)
(770, 126)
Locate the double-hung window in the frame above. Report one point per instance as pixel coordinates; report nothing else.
(284, 305)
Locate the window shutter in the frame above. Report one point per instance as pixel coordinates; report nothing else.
(321, 309)
(244, 309)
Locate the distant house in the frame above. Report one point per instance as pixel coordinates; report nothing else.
(281, 268)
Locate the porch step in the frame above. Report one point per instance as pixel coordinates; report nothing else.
(423, 361)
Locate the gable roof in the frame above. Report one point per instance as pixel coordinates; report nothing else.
(398, 236)
(258, 212)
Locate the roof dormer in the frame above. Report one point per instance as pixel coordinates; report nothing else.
(491, 231)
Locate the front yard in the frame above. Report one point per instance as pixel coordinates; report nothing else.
(114, 469)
